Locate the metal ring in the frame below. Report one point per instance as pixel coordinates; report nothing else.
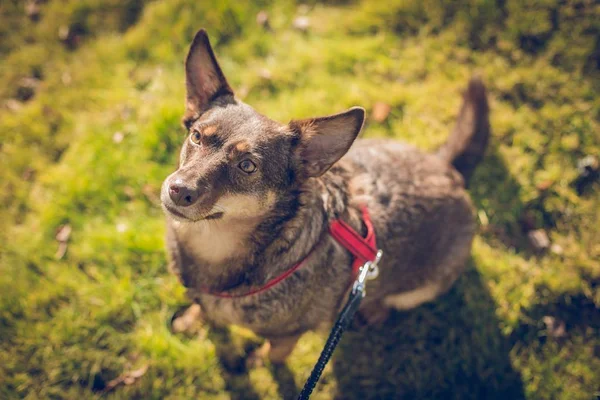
(373, 272)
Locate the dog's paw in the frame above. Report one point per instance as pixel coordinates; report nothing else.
(258, 356)
(187, 321)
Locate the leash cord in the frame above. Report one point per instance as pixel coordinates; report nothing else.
(335, 335)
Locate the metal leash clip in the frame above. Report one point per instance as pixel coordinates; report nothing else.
(369, 271)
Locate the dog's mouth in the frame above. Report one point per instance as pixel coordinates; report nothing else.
(181, 216)
(175, 212)
(217, 215)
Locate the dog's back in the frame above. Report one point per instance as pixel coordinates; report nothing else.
(421, 211)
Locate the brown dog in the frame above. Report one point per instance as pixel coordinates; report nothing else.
(252, 197)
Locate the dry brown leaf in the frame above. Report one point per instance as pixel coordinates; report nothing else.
(380, 111)
(555, 328)
(129, 192)
(13, 105)
(32, 10)
(262, 19)
(301, 23)
(118, 137)
(28, 174)
(539, 239)
(544, 185)
(126, 378)
(61, 251)
(265, 74)
(63, 233)
(556, 249)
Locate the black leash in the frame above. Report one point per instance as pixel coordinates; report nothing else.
(368, 271)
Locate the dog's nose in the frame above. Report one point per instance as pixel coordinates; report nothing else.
(182, 195)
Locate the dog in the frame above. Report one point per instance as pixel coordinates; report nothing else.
(252, 198)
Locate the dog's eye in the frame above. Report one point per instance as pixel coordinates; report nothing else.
(247, 166)
(196, 137)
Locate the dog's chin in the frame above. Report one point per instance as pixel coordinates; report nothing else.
(180, 217)
(175, 215)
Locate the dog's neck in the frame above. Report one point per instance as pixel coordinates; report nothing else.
(233, 255)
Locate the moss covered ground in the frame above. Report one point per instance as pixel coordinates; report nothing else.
(91, 96)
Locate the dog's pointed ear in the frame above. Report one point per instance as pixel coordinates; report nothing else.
(204, 79)
(324, 140)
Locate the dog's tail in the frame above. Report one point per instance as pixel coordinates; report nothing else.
(466, 145)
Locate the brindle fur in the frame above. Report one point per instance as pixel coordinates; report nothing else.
(244, 230)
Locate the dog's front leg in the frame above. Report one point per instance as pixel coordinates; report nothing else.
(281, 348)
(186, 321)
(275, 349)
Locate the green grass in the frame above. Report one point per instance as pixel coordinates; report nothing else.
(68, 326)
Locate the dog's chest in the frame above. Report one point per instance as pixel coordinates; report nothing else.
(260, 313)
(211, 243)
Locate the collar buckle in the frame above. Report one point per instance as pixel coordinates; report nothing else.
(368, 271)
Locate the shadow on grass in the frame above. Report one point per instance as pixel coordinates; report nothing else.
(452, 348)
(575, 310)
(497, 193)
(286, 385)
(233, 363)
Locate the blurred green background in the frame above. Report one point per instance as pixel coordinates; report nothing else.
(91, 96)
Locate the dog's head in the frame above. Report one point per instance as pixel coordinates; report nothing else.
(236, 163)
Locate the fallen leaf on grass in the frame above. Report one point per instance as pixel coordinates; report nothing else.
(13, 105)
(262, 19)
(129, 192)
(380, 111)
(126, 378)
(32, 10)
(61, 251)
(556, 328)
(544, 185)
(265, 74)
(483, 218)
(539, 239)
(301, 23)
(118, 137)
(63, 233)
(28, 174)
(556, 249)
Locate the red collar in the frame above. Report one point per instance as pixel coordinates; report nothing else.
(363, 250)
